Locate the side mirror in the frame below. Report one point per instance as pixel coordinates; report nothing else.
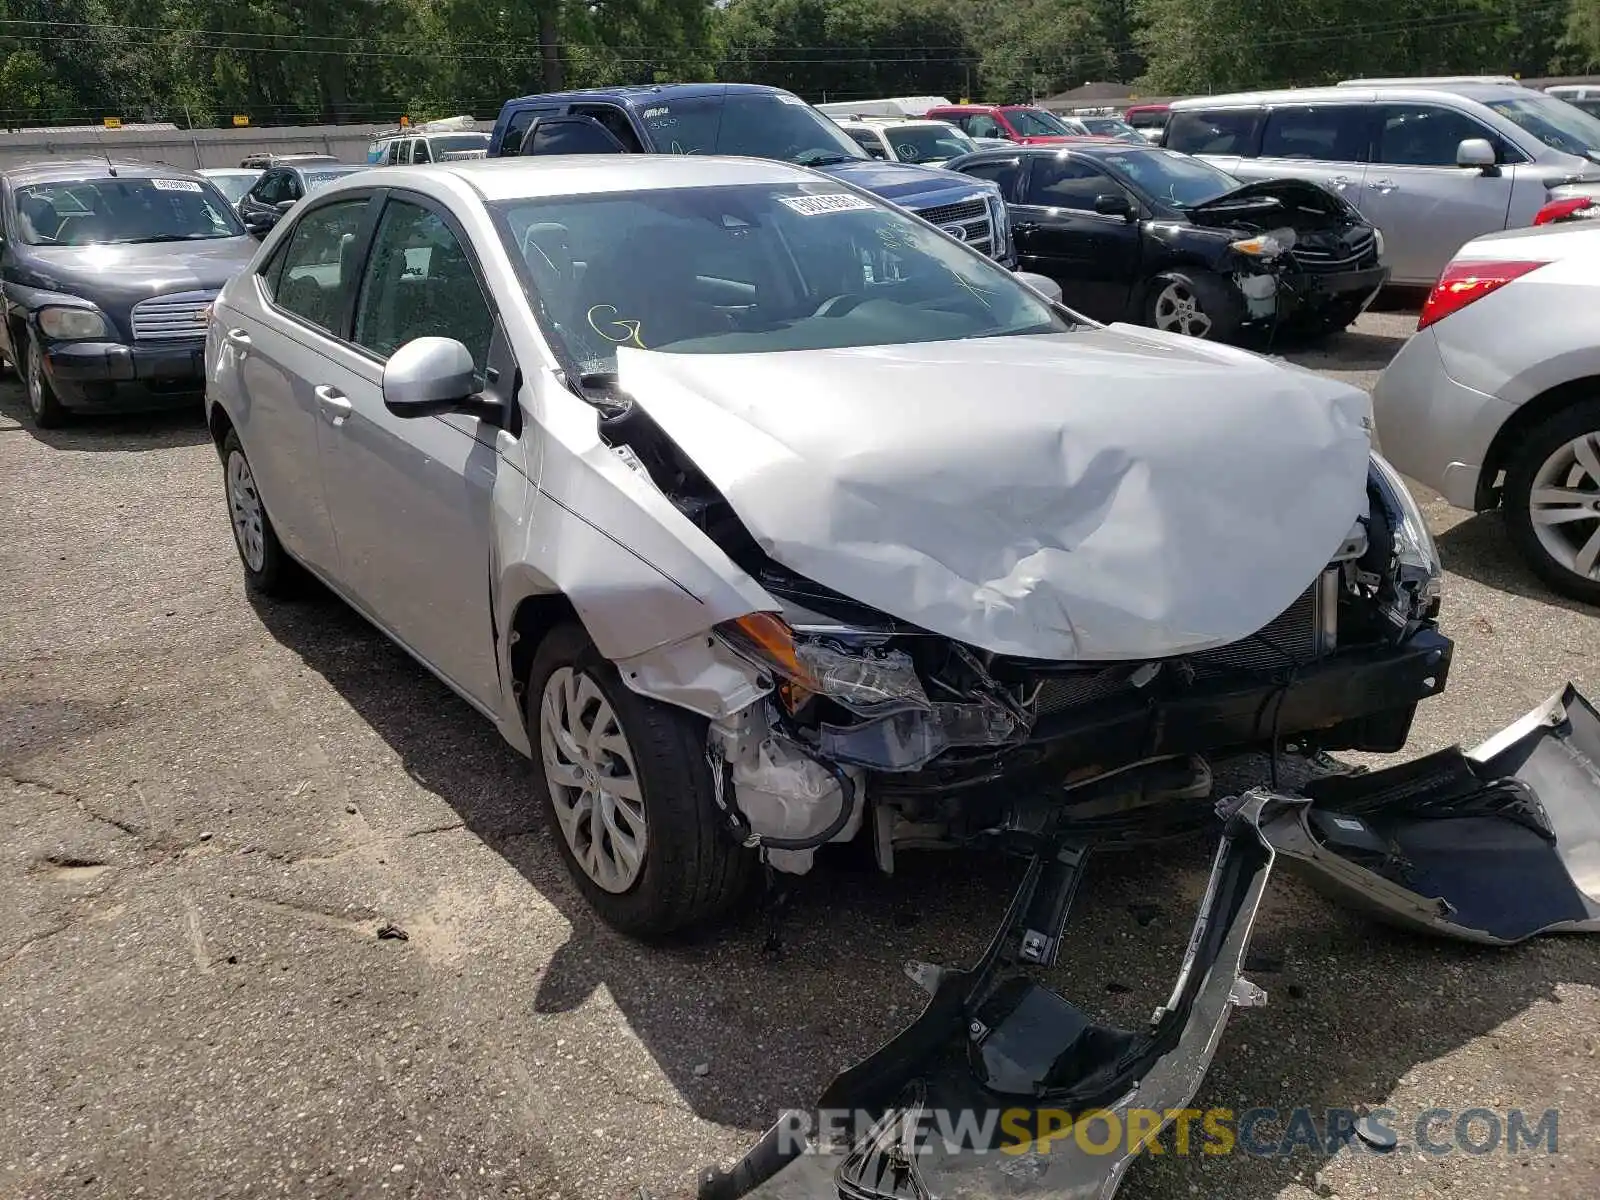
(428, 375)
(1043, 284)
(1475, 152)
(1114, 204)
(284, 206)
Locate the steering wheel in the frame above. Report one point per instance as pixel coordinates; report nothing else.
(838, 306)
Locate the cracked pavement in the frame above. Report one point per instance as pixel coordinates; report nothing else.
(210, 808)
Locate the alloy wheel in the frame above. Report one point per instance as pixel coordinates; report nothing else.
(244, 507)
(1178, 310)
(1564, 505)
(35, 379)
(594, 784)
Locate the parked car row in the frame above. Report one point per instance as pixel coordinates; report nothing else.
(762, 514)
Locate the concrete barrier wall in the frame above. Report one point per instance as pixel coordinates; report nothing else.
(188, 147)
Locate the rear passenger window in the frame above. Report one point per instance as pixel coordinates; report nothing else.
(982, 125)
(1324, 133)
(1214, 131)
(420, 283)
(318, 263)
(1422, 135)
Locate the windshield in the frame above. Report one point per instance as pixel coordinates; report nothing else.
(757, 124)
(99, 212)
(1170, 177)
(1034, 122)
(316, 180)
(233, 187)
(750, 269)
(455, 143)
(1113, 127)
(1554, 122)
(928, 143)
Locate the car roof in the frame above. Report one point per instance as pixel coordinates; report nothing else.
(662, 91)
(1352, 93)
(322, 168)
(518, 178)
(72, 170)
(210, 172)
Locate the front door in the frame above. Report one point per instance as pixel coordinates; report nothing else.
(411, 496)
(1093, 256)
(1426, 205)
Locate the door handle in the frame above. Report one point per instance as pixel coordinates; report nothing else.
(1383, 185)
(335, 405)
(1341, 181)
(239, 338)
(1024, 226)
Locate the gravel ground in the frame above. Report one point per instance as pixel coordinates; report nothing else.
(210, 807)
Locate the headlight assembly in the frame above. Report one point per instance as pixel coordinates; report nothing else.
(71, 324)
(868, 679)
(1416, 556)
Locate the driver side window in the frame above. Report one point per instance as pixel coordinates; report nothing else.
(983, 125)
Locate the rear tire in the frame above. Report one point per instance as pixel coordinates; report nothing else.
(661, 860)
(43, 404)
(1195, 303)
(1552, 501)
(268, 569)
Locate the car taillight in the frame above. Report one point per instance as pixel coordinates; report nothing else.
(1464, 282)
(1560, 210)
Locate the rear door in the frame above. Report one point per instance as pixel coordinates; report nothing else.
(410, 496)
(616, 123)
(1093, 256)
(1327, 144)
(1426, 205)
(1225, 137)
(274, 350)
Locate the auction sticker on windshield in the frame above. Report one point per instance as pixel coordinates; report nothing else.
(811, 206)
(175, 185)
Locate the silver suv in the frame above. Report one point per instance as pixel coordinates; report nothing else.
(1433, 164)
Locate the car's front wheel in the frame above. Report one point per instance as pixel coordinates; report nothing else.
(626, 785)
(268, 569)
(43, 404)
(1552, 501)
(1194, 303)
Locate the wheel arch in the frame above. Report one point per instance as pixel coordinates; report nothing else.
(220, 425)
(532, 620)
(1525, 418)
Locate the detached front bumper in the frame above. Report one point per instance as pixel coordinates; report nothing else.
(111, 375)
(1002, 1087)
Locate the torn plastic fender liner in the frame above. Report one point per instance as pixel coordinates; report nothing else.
(993, 1042)
(700, 673)
(1493, 847)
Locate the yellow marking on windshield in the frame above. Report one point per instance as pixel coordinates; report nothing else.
(629, 328)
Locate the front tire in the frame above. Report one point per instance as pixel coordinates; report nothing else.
(627, 788)
(1552, 501)
(1197, 304)
(268, 569)
(43, 404)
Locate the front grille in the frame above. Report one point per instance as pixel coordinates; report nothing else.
(1061, 692)
(1353, 256)
(1294, 637)
(971, 216)
(178, 317)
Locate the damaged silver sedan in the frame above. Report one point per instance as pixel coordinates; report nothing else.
(762, 514)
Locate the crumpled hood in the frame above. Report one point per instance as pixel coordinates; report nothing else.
(1094, 495)
(1299, 193)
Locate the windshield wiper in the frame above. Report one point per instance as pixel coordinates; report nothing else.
(171, 237)
(826, 160)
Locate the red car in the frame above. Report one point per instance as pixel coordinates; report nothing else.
(1021, 123)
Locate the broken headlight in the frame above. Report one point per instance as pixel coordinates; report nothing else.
(1416, 556)
(867, 679)
(1265, 245)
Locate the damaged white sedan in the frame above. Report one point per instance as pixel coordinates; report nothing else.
(763, 514)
